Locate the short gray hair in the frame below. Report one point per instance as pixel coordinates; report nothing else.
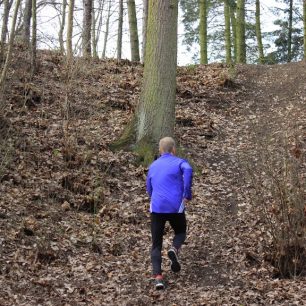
(167, 144)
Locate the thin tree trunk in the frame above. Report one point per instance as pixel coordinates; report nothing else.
(241, 47)
(10, 45)
(289, 56)
(227, 32)
(304, 10)
(27, 23)
(34, 40)
(87, 22)
(203, 32)
(234, 29)
(258, 33)
(133, 31)
(106, 31)
(70, 31)
(96, 35)
(62, 27)
(93, 31)
(120, 24)
(156, 113)
(144, 28)
(6, 11)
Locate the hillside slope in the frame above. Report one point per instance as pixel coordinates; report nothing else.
(74, 216)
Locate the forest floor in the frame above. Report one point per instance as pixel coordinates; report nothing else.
(74, 218)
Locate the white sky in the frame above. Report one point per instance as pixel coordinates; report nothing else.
(48, 26)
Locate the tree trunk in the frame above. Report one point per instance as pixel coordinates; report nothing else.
(133, 31)
(203, 32)
(258, 33)
(34, 40)
(241, 47)
(155, 115)
(234, 28)
(144, 28)
(6, 11)
(93, 31)
(227, 32)
(62, 27)
(120, 24)
(27, 23)
(106, 31)
(96, 35)
(70, 31)
(10, 45)
(304, 10)
(289, 56)
(87, 22)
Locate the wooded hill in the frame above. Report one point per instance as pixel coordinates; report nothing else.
(74, 218)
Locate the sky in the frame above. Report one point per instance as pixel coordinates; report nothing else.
(48, 26)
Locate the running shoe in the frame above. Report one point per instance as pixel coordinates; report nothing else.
(173, 256)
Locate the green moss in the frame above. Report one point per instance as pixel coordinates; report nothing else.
(127, 139)
(146, 152)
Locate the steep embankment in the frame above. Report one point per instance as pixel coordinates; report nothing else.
(57, 249)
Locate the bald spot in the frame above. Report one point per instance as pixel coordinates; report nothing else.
(166, 145)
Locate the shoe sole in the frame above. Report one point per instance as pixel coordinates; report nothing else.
(159, 287)
(175, 265)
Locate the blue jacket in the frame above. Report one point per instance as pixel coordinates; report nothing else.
(169, 181)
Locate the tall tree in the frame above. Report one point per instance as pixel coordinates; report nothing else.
(144, 27)
(96, 30)
(133, 31)
(34, 40)
(227, 32)
(27, 22)
(87, 23)
(258, 33)
(70, 31)
(5, 17)
(203, 32)
(155, 115)
(232, 9)
(106, 30)
(304, 19)
(120, 24)
(289, 56)
(10, 44)
(241, 46)
(62, 26)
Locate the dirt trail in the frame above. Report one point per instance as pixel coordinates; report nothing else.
(56, 250)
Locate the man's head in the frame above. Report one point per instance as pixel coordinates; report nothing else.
(167, 145)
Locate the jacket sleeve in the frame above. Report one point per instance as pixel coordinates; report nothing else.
(148, 184)
(187, 177)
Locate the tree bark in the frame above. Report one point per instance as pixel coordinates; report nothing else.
(27, 23)
(155, 115)
(87, 23)
(203, 32)
(227, 32)
(134, 41)
(258, 33)
(70, 31)
(6, 11)
(120, 24)
(106, 31)
(34, 40)
(234, 28)
(241, 47)
(289, 56)
(144, 28)
(62, 27)
(304, 19)
(10, 45)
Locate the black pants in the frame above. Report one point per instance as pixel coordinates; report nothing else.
(158, 221)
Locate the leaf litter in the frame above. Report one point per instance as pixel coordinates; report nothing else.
(74, 216)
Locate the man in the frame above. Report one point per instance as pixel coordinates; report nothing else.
(169, 183)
